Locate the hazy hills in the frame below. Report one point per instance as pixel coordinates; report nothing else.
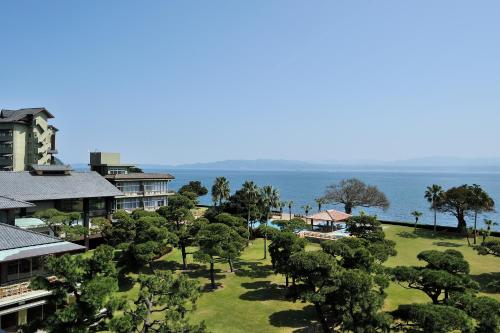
(446, 164)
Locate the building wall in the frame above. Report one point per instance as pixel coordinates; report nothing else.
(6, 149)
(20, 158)
(30, 143)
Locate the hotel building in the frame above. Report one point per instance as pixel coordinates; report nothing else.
(26, 138)
(148, 191)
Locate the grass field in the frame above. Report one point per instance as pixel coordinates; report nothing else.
(251, 299)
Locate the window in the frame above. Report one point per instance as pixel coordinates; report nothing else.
(37, 265)
(128, 204)
(117, 171)
(154, 202)
(97, 204)
(24, 268)
(13, 271)
(129, 187)
(156, 187)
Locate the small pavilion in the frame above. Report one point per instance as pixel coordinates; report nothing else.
(328, 218)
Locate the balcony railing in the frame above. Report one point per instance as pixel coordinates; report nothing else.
(19, 288)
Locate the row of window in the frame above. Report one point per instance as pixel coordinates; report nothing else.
(5, 133)
(24, 268)
(117, 171)
(136, 203)
(148, 187)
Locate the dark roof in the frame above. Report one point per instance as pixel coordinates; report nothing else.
(29, 187)
(17, 243)
(10, 203)
(140, 176)
(7, 116)
(14, 237)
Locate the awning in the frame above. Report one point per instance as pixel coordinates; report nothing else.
(39, 250)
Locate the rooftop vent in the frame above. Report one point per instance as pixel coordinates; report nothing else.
(52, 170)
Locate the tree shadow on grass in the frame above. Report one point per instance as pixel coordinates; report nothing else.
(269, 292)
(173, 265)
(304, 320)
(447, 244)
(429, 234)
(254, 270)
(256, 284)
(488, 282)
(207, 287)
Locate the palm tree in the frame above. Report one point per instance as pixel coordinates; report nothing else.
(280, 206)
(416, 214)
(270, 198)
(220, 190)
(290, 204)
(306, 209)
(433, 194)
(320, 202)
(480, 202)
(251, 197)
(489, 224)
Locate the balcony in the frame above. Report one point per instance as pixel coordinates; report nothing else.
(5, 149)
(5, 160)
(5, 136)
(18, 289)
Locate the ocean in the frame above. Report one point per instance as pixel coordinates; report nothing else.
(405, 190)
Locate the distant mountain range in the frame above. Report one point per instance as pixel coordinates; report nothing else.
(438, 163)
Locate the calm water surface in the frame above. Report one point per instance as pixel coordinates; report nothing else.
(405, 190)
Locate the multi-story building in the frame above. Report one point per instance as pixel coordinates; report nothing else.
(140, 190)
(26, 138)
(22, 255)
(55, 186)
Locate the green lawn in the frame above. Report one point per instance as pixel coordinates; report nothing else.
(251, 299)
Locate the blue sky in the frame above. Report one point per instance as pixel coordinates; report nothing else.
(173, 82)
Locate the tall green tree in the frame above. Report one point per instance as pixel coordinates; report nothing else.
(270, 198)
(83, 292)
(62, 224)
(306, 209)
(294, 225)
(283, 246)
(433, 194)
(416, 214)
(178, 214)
(250, 193)
(315, 269)
(354, 193)
(444, 273)
(220, 190)
(489, 225)
(195, 187)
(480, 202)
(355, 303)
(218, 240)
(432, 318)
(163, 302)
(456, 201)
(320, 202)
(290, 204)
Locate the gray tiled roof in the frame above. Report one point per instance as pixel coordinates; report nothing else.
(7, 116)
(13, 237)
(140, 176)
(10, 203)
(28, 187)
